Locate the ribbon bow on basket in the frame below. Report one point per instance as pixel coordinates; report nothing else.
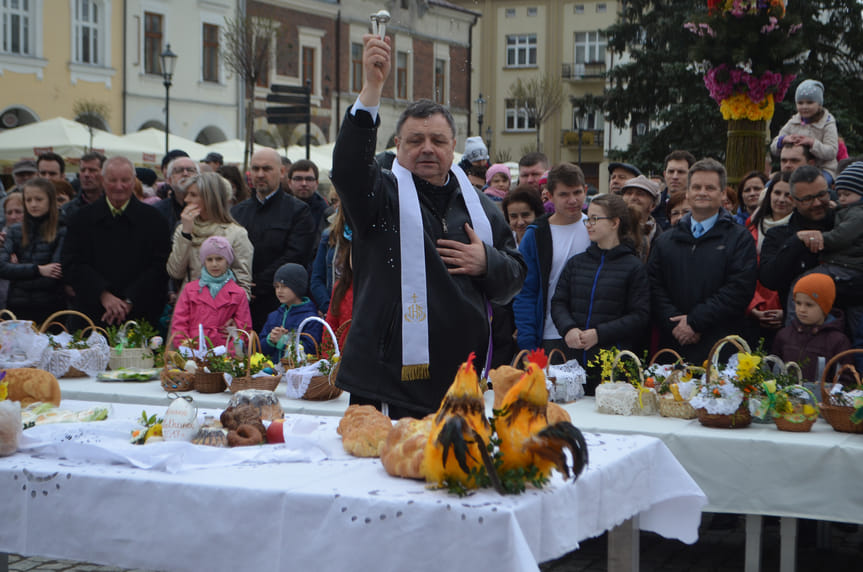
(314, 381)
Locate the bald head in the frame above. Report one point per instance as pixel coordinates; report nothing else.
(267, 171)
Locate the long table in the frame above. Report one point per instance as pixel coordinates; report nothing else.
(338, 513)
(757, 470)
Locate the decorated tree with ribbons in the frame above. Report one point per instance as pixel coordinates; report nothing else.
(748, 52)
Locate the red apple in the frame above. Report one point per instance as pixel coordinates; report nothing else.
(276, 431)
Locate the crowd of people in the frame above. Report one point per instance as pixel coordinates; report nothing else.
(426, 261)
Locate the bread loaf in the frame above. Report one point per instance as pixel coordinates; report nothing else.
(364, 430)
(403, 450)
(502, 378)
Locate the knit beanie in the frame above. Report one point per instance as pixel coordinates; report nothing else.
(810, 90)
(294, 277)
(851, 178)
(217, 245)
(475, 149)
(820, 288)
(497, 169)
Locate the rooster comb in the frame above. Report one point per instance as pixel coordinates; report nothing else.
(538, 357)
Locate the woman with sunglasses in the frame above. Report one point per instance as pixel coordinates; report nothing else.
(602, 298)
(207, 213)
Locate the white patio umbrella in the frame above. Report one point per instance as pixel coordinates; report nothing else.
(70, 140)
(152, 138)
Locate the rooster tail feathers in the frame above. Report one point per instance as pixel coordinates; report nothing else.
(550, 444)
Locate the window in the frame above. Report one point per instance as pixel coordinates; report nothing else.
(440, 86)
(517, 117)
(592, 121)
(211, 53)
(86, 29)
(601, 8)
(152, 43)
(589, 49)
(308, 68)
(531, 11)
(510, 13)
(579, 8)
(401, 75)
(356, 67)
(262, 56)
(521, 50)
(16, 31)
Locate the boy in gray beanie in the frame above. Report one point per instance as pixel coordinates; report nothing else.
(812, 126)
(291, 282)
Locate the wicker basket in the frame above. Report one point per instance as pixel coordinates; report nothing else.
(175, 379)
(670, 407)
(321, 387)
(267, 382)
(785, 424)
(737, 420)
(617, 399)
(839, 416)
(206, 382)
(124, 357)
(52, 321)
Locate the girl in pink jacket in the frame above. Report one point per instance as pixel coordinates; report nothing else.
(215, 300)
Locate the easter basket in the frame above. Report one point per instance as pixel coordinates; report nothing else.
(67, 357)
(837, 406)
(564, 381)
(253, 381)
(21, 344)
(801, 411)
(671, 402)
(125, 356)
(720, 403)
(314, 381)
(626, 398)
(175, 378)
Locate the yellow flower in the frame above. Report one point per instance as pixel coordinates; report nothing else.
(808, 410)
(746, 365)
(4, 390)
(770, 384)
(155, 430)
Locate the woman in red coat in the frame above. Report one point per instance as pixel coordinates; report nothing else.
(215, 300)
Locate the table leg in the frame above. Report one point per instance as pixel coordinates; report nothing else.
(753, 543)
(623, 546)
(787, 544)
(4, 562)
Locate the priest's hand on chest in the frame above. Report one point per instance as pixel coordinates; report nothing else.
(464, 258)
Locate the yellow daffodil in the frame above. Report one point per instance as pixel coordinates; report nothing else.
(808, 410)
(746, 365)
(770, 385)
(4, 390)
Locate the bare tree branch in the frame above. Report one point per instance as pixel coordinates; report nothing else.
(540, 97)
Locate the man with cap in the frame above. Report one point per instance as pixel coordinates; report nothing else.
(214, 160)
(23, 171)
(618, 174)
(89, 182)
(642, 194)
(474, 161)
(703, 271)
(290, 283)
(429, 252)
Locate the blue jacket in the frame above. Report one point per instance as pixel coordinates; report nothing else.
(529, 304)
(321, 280)
(290, 318)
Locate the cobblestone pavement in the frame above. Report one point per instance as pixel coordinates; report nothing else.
(717, 550)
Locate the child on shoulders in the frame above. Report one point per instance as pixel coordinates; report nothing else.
(812, 125)
(215, 300)
(291, 282)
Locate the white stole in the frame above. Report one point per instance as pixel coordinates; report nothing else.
(415, 311)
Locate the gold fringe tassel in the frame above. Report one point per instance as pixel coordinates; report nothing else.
(415, 372)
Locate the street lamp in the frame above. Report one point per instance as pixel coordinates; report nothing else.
(480, 111)
(578, 122)
(169, 61)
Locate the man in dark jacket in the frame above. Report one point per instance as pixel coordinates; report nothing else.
(90, 181)
(179, 168)
(784, 257)
(280, 227)
(115, 252)
(703, 271)
(382, 363)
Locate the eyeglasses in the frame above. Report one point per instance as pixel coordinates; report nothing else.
(304, 179)
(591, 220)
(809, 198)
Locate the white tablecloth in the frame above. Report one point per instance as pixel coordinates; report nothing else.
(757, 469)
(336, 514)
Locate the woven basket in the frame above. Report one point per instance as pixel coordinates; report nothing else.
(839, 416)
(737, 420)
(670, 407)
(785, 424)
(209, 382)
(124, 357)
(321, 387)
(176, 379)
(267, 382)
(51, 321)
(608, 393)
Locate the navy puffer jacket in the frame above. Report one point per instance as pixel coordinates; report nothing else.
(28, 289)
(607, 290)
